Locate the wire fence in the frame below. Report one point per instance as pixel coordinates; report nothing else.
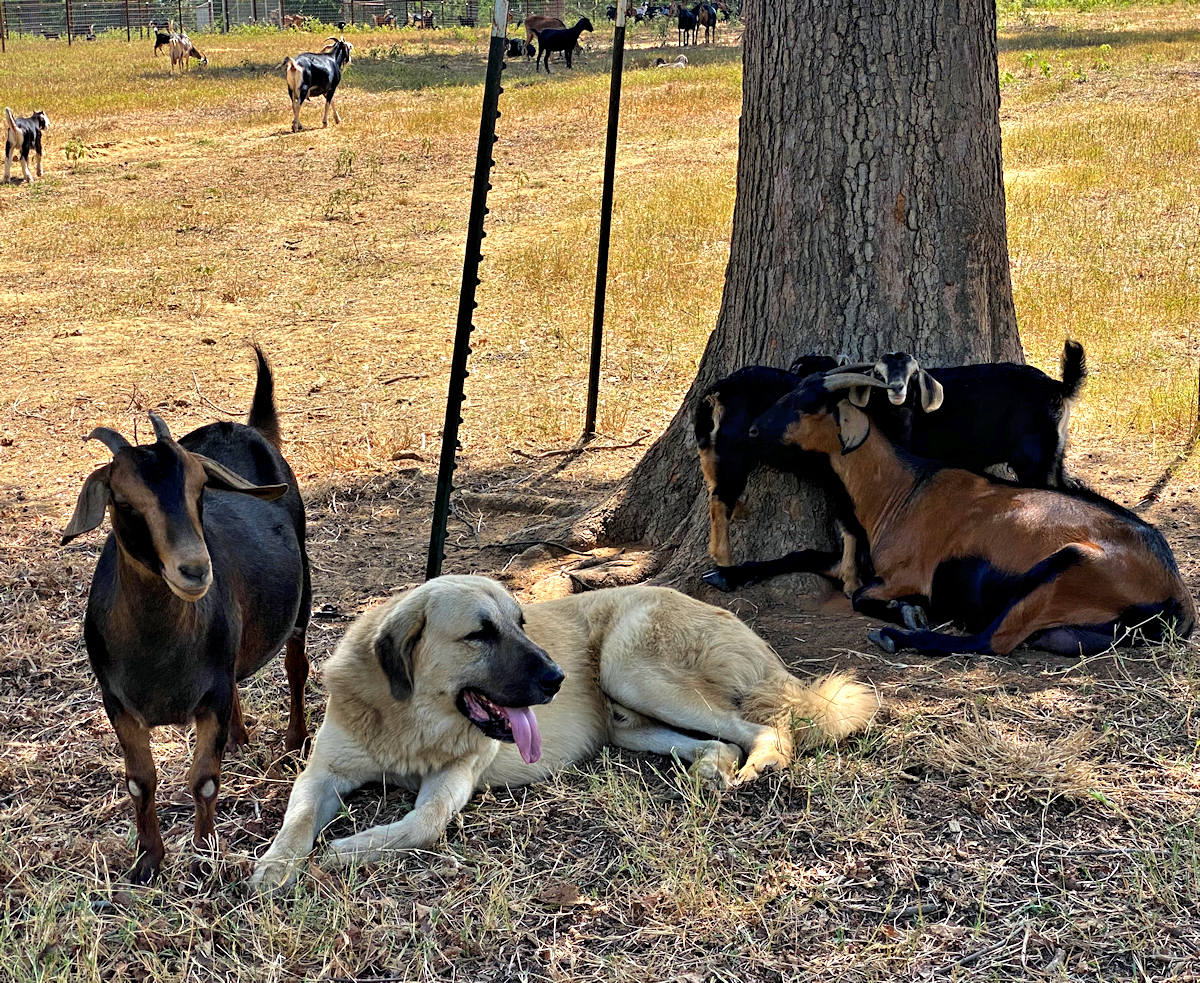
(71, 20)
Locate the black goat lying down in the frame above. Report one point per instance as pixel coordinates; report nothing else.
(317, 74)
(1064, 570)
(203, 579)
(986, 415)
(552, 39)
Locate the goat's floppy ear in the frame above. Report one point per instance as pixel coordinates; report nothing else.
(395, 645)
(859, 395)
(853, 426)
(89, 510)
(220, 477)
(931, 391)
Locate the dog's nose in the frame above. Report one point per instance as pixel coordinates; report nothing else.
(551, 679)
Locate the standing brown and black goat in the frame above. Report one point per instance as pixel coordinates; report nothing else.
(203, 579)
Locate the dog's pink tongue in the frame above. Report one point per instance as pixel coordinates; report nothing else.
(525, 733)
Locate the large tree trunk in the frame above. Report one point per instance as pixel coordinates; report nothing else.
(869, 218)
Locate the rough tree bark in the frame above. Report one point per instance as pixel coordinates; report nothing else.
(869, 218)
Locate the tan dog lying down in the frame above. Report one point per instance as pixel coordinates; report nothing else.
(433, 691)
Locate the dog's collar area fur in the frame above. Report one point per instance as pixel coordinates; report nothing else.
(512, 725)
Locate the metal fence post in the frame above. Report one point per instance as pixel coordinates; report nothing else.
(470, 280)
(225, 7)
(606, 201)
(128, 32)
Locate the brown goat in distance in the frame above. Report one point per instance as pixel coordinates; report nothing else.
(203, 579)
(1064, 570)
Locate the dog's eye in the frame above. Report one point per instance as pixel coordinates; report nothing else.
(486, 632)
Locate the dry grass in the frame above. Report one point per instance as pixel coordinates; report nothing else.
(1004, 819)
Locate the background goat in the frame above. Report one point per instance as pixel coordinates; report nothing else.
(986, 415)
(565, 41)
(686, 24)
(1066, 570)
(385, 20)
(23, 136)
(316, 74)
(195, 589)
(182, 51)
(706, 17)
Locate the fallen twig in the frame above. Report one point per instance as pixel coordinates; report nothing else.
(578, 448)
(205, 399)
(400, 378)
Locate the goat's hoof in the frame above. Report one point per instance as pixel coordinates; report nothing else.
(714, 578)
(883, 641)
(144, 871)
(914, 617)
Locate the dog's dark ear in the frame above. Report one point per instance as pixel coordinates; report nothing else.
(395, 644)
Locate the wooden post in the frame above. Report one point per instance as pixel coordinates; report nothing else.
(128, 32)
(181, 15)
(281, 15)
(254, 11)
(225, 6)
(68, 23)
(3, 27)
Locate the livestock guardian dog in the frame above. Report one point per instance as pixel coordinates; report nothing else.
(433, 691)
(23, 135)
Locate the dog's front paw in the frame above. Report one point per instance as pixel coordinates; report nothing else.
(275, 874)
(358, 849)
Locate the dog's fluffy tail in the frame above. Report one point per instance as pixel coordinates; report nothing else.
(824, 709)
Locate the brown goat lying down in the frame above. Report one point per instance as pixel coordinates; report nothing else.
(1065, 570)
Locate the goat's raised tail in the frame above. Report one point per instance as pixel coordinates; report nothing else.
(263, 416)
(1074, 370)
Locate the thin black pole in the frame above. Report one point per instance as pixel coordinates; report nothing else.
(128, 31)
(610, 164)
(68, 5)
(470, 280)
(3, 28)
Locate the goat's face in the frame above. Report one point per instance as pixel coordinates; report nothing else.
(154, 495)
(802, 419)
(821, 414)
(897, 370)
(156, 508)
(42, 120)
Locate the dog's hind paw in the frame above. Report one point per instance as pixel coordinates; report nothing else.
(717, 764)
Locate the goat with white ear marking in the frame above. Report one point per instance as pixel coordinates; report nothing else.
(317, 74)
(22, 136)
(1064, 570)
(986, 415)
(203, 579)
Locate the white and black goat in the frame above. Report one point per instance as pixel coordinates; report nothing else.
(183, 51)
(203, 579)
(565, 40)
(987, 415)
(1064, 570)
(317, 74)
(23, 136)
